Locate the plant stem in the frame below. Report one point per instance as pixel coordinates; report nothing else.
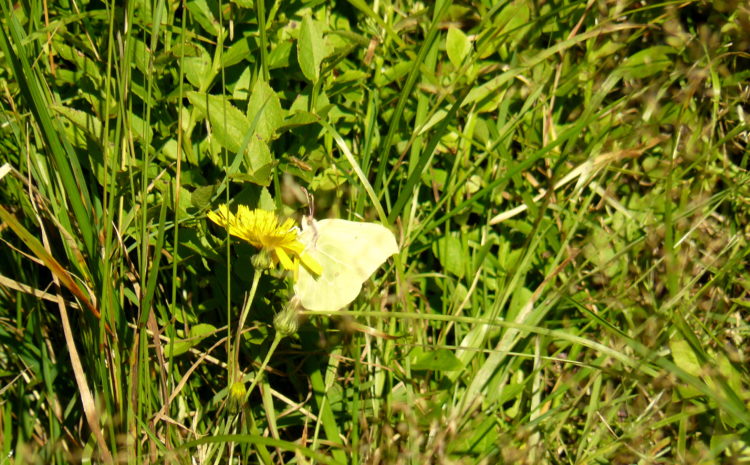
(276, 339)
(234, 370)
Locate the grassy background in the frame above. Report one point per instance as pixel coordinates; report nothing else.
(568, 182)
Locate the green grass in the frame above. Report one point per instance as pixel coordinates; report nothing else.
(568, 184)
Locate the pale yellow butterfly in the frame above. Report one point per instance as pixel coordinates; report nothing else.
(349, 253)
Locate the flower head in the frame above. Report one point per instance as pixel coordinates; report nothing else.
(262, 230)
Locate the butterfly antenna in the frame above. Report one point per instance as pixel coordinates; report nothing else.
(310, 203)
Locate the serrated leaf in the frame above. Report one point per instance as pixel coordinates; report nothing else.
(457, 46)
(228, 124)
(233, 131)
(197, 67)
(265, 108)
(311, 49)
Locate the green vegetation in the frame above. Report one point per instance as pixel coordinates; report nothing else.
(568, 183)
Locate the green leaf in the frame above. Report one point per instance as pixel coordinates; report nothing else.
(202, 14)
(197, 334)
(265, 108)
(521, 296)
(139, 127)
(233, 131)
(87, 122)
(228, 124)
(686, 359)
(200, 198)
(258, 163)
(266, 200)
(197, 67)
(299, 118)
(237, 52)
(449, 250)
(436, 360)
(648, 62)
(457, 45)
(311, 49)
(279, 56)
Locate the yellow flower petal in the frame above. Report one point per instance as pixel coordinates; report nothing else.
(286, 262)
(311, 264)
(262, 230)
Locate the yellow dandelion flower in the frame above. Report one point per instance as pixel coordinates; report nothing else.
(262, 230)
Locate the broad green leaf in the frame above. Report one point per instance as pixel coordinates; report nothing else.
(450, 251)
(329, 179)
(169, 149)
(228, 124)
(139, 127)
(279, 56)
(392, 73)
(197, 67)
(521, 296)
(259, 164)
(184, 200)
(233, 131)
(266, 201)
(87, 122)
(457, 46)
(512, 22)
(197, 334)
(687, 360)
(435, 360)
(200, 198)
(264, 110)
(311, 49)
(299, 118)
(241, 89)
(437, 117)
(201, 13)
(458, 295)
(238, 51)
(84, 66)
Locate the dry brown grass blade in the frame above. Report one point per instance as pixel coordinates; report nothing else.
(26, 289)
(89, 407)
(87, 399)
(49, 261)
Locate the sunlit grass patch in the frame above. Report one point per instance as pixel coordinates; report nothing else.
(565, 184)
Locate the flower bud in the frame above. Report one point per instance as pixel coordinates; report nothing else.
(237, 393)
(262, 260)
(286, 322)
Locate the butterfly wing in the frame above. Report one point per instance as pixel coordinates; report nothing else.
(349, 253)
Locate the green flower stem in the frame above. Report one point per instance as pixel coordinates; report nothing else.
(234, 374)
(276, 339)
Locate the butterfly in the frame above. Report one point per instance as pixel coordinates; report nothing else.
(349, 253)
